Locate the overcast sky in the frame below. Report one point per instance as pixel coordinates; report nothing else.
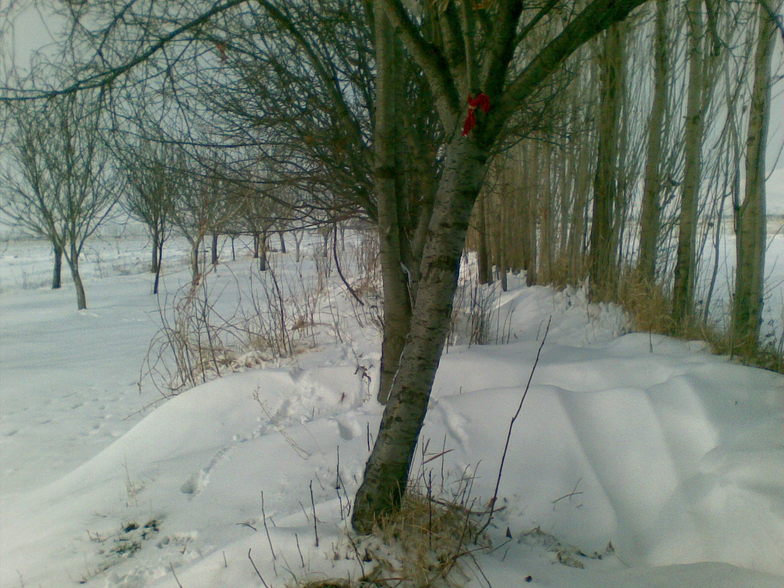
(33, 30)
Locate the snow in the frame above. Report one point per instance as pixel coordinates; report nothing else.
(645, 460)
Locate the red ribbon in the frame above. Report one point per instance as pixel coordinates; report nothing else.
(481, 101)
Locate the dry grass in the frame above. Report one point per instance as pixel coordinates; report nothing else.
(647, 305)
(649, 309)
(420, 546)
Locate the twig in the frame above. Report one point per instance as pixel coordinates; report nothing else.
(313, 506)
(176, 579)
(266, 530)
(511, 426)
(258, 573)
(340, 272)
(574, 492)
(356, 553)
(299, 550)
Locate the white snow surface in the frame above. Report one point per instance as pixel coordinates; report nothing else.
(665, 460)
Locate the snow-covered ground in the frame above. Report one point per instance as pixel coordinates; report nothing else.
(637, 461)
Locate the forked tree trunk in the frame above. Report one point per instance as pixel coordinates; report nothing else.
(386, 472)
(750, 216)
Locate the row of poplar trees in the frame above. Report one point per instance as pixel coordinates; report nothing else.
(658, 137)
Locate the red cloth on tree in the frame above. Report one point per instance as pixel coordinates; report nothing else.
(481, 101)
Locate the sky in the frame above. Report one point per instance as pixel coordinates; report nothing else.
(35, 28)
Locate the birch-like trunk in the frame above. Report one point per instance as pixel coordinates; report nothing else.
(685, 265)
(397, 305)
(750, 216)
(386, 472)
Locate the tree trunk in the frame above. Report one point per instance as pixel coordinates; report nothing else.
(282, 242)
(154, 254)
(650, 214)
(195, 273)
(81, 298)
(685, 265)
(214, 256)
(603, 268)
(57, 272)
(263, 251)
(750, 215)
(397, 302)
(255, 245)
(158, 265)
(298, 236)
(387, 469)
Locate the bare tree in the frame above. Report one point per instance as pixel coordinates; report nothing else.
(750, 221)
(151, 171)
(62, 185)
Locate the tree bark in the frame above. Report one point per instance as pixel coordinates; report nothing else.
(81, 298)
(650, 214)
(57, 272)
(159, 262)
(603, 267)
(750, 216)
(685, 265)
(154, 253)
(214, 249)
(262, 251)
(386, 472)
(397, 300)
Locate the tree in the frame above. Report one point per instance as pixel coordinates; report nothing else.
(63, 185)
(697, 100)
(606, 186)
(650, 213)
(750, 221)
(150, 171)
(477, 54)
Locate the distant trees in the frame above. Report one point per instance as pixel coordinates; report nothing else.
(151, 171)
(62, 185)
